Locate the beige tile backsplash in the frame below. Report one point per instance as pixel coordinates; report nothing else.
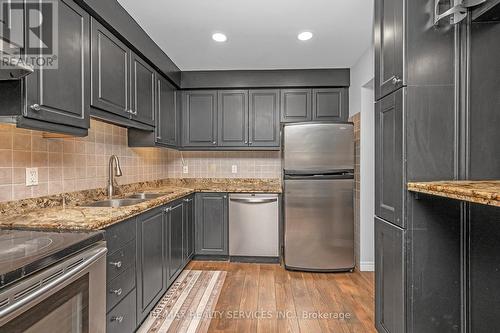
(72, 164)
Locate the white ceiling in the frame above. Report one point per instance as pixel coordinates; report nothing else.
(262, 34)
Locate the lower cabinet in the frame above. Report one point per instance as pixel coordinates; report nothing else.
(188, 229)
(389, 278)
(151, 277)
(211, 224)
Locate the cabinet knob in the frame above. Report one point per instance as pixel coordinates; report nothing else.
(246, 141)
(117, 264)
(250, 142)
(168, 209)
(396, 80)
(214, 142)
(35, 107)
(117, 292)
(118, 319)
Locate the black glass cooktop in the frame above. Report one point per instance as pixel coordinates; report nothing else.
(25, 252)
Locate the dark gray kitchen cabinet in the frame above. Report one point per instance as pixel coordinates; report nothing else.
(296, 105)
(389, 182)
(49, 96)
(389, 278)
(233, 118)
(188, 228)
(142, 91)
(151, 272)
(330, 104)
(264, 118)
(175, 218)
(211, 224)
(167, 119)
(110, 72)
(389, 46)
(199, 118)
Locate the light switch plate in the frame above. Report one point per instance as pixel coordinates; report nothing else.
(31, 176)
(234, 169)
(185, 169)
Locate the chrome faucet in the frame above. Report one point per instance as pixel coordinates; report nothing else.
(118, 173)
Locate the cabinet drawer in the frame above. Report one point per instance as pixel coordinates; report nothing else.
(119, 287)
(119, 234)
(118, 261)
(122, 317)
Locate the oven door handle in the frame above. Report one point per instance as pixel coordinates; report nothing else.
(93, 256)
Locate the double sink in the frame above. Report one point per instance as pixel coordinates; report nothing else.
(130, 200)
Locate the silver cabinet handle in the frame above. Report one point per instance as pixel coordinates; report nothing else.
(168, 209)
(250, 142)
(254, 200)
(117, 264)
(458, 11)
(396, 80)
(188, 200)
(35, 107)
(118, 319)
(214, 142)
(117, 292)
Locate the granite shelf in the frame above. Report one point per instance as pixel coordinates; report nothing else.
(486, 192)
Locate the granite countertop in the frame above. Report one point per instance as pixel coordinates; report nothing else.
(485, 192)
(64, 212)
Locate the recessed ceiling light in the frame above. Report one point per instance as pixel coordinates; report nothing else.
(218, 37)
(306, 35)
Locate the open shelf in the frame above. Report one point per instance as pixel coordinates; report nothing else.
(486, 192)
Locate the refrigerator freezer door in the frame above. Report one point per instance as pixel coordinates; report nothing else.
(318, 147)
(319, 228)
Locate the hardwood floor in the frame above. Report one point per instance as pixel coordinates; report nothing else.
(267, 298)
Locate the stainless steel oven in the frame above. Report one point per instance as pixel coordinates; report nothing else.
(69, 296)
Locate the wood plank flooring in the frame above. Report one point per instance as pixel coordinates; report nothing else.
(267, 298)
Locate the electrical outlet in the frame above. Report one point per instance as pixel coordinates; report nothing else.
(31, 176)
(234, 169)
(185, 169)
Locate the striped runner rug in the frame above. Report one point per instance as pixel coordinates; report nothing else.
(188, 305)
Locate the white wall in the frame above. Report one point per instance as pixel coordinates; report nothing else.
(361, 99)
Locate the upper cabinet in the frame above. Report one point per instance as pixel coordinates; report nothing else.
(327, 104)
(264, 118)
(199, 118)
(389, 46)
(330, 104)
(243, 119)
(142, 91)
(167, 120)
(233, 117)
(49, 96)
(295, 105)
(110, 72)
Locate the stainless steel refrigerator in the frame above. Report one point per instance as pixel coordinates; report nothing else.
(318, 161)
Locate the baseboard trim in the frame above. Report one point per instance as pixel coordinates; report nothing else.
(367, 266)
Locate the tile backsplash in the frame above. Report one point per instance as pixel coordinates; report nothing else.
(73, 164)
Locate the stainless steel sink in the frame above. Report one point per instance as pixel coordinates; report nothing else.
(145, 196)
(115, 203)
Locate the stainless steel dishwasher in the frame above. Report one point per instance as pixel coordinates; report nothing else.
(253, 227)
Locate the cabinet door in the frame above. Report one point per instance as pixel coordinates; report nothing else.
(389, 46)
(143, 91)
(211, 224)
(233, 118)
(175, 240)
(295, 105)
(330, 104)
(151, 279)
(166, 112)
(389, 278)
(188, 229)
(199, 118)
(389, 187)
(264, 118)
(110, 72)
(60, 95)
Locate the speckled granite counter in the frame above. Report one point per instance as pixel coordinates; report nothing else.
(485, 192)
(63, 212)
